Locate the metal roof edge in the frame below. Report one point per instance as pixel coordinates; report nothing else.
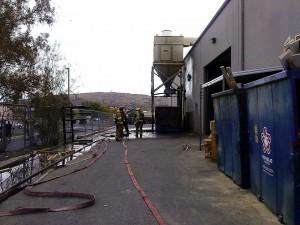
(243, 73)
(208, 26)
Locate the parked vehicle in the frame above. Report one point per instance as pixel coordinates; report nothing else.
(18, 125)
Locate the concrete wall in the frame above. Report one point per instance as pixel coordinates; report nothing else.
(255, 36)
(267, 26)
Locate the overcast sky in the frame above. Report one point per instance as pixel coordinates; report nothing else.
(109, 43)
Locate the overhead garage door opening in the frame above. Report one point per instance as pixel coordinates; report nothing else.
(212, 71)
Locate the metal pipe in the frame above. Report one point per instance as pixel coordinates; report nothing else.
(152, 98)
(200, 117)
(68, 82)
(242, 15)
(45, 169)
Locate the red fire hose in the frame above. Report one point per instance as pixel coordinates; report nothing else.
(152, 208)
(28, 191)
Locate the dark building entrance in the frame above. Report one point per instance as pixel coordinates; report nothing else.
(212, 71)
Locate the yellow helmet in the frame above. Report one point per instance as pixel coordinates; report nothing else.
(138, 109)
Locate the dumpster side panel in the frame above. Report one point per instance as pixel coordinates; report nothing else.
(231, 123)
(286, 130)
(243, 141)
(220, 143)
(235, 126)
(276, 117)
(254, 154)
(227, 136)
(267, 146)
(296, 157)
(168, 119)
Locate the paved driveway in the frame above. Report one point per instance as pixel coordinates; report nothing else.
(183, 186)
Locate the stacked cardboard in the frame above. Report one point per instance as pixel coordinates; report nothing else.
(213, 135)
(290, 58)
(210, 143)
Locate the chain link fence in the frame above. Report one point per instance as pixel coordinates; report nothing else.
(35, 137)
(23, 127)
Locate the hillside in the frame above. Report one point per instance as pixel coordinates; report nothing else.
(118, 99)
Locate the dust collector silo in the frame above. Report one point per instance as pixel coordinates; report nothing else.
(168, 59)
(168, 65)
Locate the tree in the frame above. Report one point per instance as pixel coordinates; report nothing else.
(29, 64)
(106, 108)
(49, 99)
(92, 105)
(20, 50)
(51, 81)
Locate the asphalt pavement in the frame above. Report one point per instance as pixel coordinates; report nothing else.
(184, 187)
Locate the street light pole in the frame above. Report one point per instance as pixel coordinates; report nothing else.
(68, 82)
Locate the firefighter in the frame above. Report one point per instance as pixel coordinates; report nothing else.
(139, 120)
(8, 129)
(119, 125)
(125, 121)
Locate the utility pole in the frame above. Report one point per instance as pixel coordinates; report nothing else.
(67, 68)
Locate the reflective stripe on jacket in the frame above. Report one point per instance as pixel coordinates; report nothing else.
(139, 117)
(118, 118)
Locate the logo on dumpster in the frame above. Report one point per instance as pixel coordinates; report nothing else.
(266, 141)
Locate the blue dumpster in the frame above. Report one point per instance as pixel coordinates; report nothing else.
(167, 119)
(273, 108)
(232, 135)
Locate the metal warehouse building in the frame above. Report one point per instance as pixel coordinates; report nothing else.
(246, 35)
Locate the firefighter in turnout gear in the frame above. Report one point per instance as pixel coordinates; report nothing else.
(125, 121)
(139, 120)
(119, 126)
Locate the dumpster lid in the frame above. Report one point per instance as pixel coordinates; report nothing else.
(275, 77)
(229, 92)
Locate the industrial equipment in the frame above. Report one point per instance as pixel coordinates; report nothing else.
(169, 66)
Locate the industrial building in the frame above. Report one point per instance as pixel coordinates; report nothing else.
(254, 39)
(246, 35)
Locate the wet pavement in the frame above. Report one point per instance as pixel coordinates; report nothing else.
(183, 186)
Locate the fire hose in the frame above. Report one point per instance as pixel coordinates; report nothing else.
(28, 190)
(152, 208)
(90, 198)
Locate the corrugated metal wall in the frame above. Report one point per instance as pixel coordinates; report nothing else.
(253, 30)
